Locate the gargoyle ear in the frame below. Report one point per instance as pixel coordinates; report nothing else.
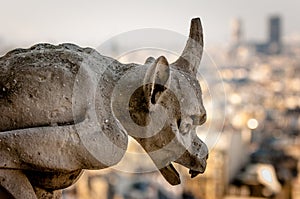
(156, 77)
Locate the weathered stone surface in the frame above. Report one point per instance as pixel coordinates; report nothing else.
(65, 108)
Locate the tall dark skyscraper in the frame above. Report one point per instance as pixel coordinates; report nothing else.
(275, 29)
(275, 35)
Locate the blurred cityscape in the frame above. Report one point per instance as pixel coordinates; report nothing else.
(258, 150)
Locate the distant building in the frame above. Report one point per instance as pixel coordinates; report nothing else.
(275, 35)
(273, 45)
(236, 31)
(275, 30)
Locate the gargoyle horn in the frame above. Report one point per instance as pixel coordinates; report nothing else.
(190, 58)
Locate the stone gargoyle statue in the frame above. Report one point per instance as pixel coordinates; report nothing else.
(64, 109)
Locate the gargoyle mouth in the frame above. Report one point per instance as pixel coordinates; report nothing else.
(172, 176)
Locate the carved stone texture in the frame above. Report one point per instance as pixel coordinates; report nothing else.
(65, 109)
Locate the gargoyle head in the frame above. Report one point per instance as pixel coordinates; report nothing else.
(166, 109)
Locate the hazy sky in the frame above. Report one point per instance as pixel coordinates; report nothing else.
(92, 22)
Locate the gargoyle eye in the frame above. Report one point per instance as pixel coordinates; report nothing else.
(199, 119)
